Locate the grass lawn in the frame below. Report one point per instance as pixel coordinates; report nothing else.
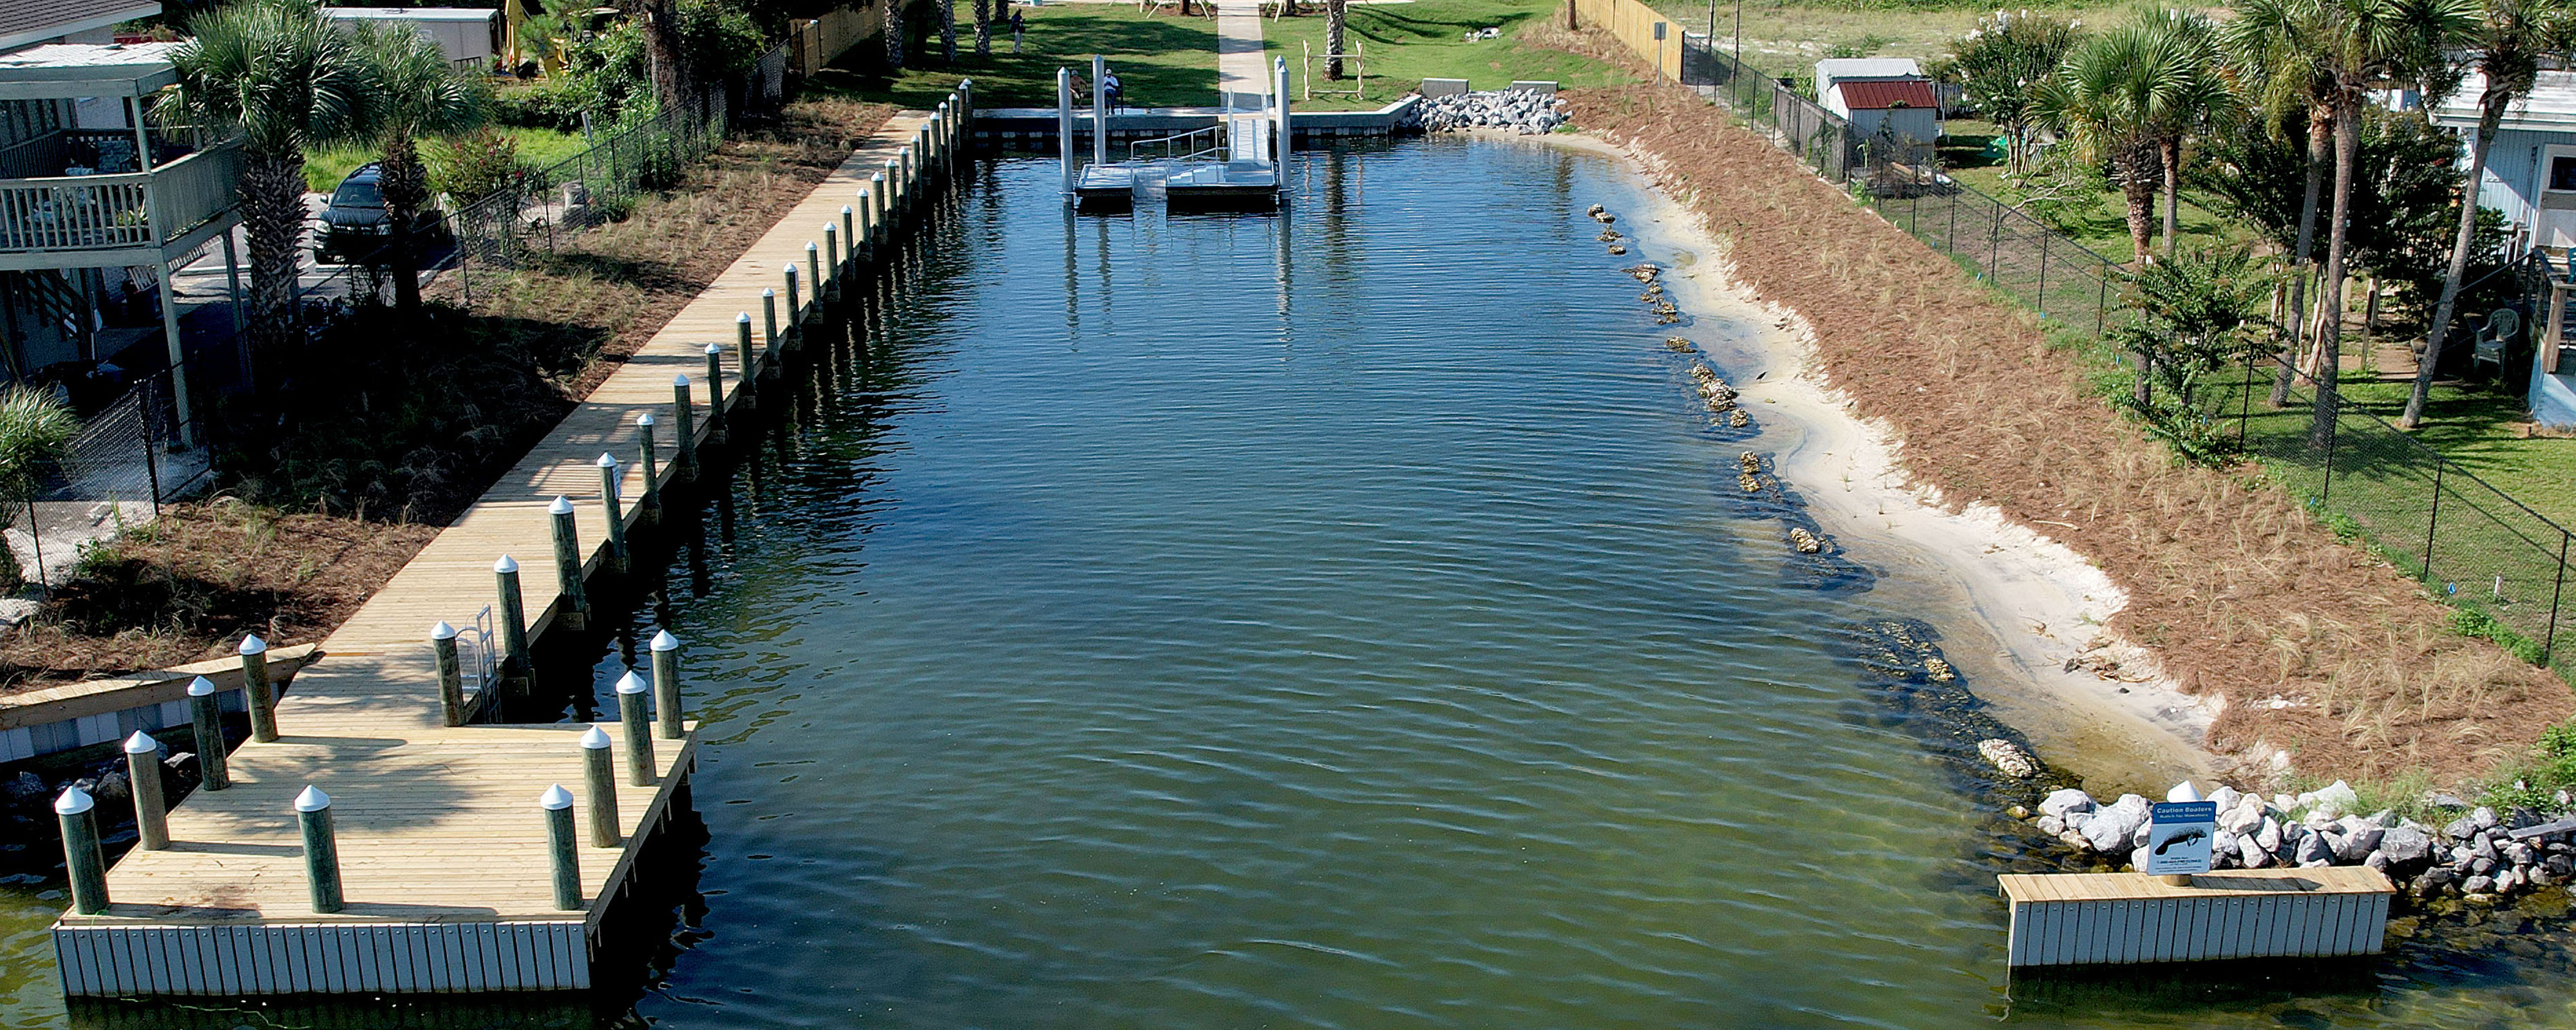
(1407, 43)
(1788, 39)
(540, 148)
(2104, 228)
(1164, 60)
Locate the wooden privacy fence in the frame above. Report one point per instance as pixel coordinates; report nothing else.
(816, 41)
(1634, 23)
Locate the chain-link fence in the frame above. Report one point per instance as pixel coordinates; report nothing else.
(143, 448)
(1881, 161)
(2060, 278)
(545, 207)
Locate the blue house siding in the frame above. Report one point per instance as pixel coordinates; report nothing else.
(2513, 166)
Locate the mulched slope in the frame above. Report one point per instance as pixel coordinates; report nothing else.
(2233, 587)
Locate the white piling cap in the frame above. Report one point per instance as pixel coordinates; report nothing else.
(201, 687)
(562, 505)
(73, 801)
(141, 743)
(555, 799)
(845, 208)
(715, 348)
(875, 177)
(664, 641)
(770, 294)
(312, 800)
(791, 267)
(507, 564)
(596, 739)
(810, 247)
(831, 228)
(680, 381)
(252, 644)
(606, 460)
(442, 631)
(644, 418)
(630, 683)
(745, 316)
(2183, 791)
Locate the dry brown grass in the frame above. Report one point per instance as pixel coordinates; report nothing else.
(2232, 585)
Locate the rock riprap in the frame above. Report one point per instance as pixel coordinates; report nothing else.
(1520, 111)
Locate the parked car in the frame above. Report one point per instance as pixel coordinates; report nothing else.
(355, 227)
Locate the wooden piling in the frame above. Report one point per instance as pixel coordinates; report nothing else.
(599, 781)
(556, 803)
(769, 318)
(639, 737)
(257, 695)
(83, 863)
(666, 684)
(644, 455)
(715, 391)
(684, 467)
(515, 662)
(832, 255)
(876, 198)
(814, 263)
(752, 365)
(321, 849)
(568, 582)
(451, 674)
(795, 297)
(143, 780)
(850, 237)
(614, 506)
(207, 716)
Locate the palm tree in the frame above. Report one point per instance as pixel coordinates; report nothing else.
(948, 31)
(280, 77)
(417, 94)
(1337, 17)
(35, 430)
(2106, 97)
(2506, 50)
(2189, 96)
(894, 41)
(2353, 47)
(984, 27)
(2285, 83)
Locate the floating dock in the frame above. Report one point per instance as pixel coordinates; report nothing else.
(447, 872)
(2117, 918)
(1235, 164)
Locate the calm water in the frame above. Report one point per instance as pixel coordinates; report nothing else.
(1188, 625)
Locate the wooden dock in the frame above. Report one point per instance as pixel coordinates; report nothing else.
(443, 850)
(2116, 918)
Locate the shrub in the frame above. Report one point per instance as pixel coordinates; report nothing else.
(476, 165)
(553, 104)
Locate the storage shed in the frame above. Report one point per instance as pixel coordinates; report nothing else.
(1875, 93)
(465, 34)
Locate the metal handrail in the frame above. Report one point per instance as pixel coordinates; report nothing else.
(1213, 147)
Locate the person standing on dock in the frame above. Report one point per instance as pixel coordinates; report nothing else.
(1112, 89)
(1019, 24)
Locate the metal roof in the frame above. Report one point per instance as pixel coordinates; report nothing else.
(29, 21)
(1840, 69)
(473, 15)
(87, 70)
(1876, 96)
(2549, 107)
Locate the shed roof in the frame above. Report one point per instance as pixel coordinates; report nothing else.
(1882, 95)
(2549, 107)
(1841, 69)
(454, 14)
(28, 21)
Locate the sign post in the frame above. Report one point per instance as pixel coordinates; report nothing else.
(2178, 834)
(1659, 51)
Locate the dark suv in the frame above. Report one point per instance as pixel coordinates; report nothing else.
(355, 226)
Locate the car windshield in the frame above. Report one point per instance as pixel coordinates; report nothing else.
(357, 194)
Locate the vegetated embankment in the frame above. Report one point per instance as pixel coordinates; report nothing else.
(2319, 650)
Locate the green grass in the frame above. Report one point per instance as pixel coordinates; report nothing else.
(1407, 43)
(1788, 39)
(1163, 60)
(324, 169)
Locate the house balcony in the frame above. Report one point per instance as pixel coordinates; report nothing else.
(87, 217)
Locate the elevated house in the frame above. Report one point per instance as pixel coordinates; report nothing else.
(1881, 95)
(99, 204)
(2530, 180)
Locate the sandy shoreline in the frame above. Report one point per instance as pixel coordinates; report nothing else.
(2020, 606)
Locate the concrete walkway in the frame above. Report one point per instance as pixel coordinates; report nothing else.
(1241, 67)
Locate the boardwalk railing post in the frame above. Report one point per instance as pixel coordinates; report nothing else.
(866, 240)
(599, 781)
(769, 317)
(685, 465)
(752, 366)
(143, 776)
(576, 601)
(613, 504)
(644, 455)
(876, 195)
(83, 863)
(451, 675)
(666, 683)
(832, 257)
(207, 716)
(814, 272)
(563, 852)
(639, 736)
(321, 849)
(795, 297)
(258, 698)
(849, 241)
(715, 389)
(514, 619)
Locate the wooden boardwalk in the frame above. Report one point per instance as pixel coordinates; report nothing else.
(2121, 918)
(443, 848)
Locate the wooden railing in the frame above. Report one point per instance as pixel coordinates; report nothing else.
(97, 212)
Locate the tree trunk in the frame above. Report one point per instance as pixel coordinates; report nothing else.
(2347, 140)
(2320, 131)
(2491, 109)
(405, 185)
(2170, 150)
(2138, 188)
(1336, 14)
(948, 31)
(272, 196)
(893, 30)
(984, 28)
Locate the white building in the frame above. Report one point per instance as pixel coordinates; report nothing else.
(1875, 93)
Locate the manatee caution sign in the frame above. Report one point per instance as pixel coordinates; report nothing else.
(2178, 835)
